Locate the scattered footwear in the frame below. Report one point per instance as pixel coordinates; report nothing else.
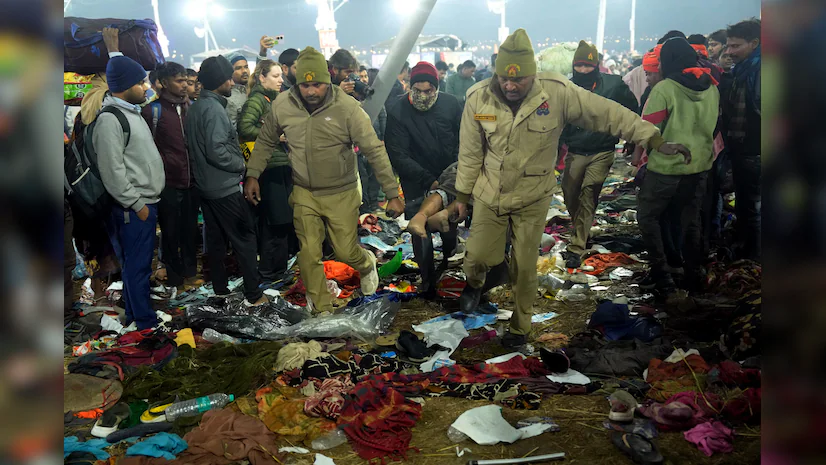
(370, 280)
(573, 260)
(411, 346)
(510, 340)
(109, 421)
(640, 449)
(261, 301)
(555, 360)
(623, 405)
(469, 299)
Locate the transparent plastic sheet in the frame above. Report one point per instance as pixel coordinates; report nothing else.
(365, 321)
(230, 316)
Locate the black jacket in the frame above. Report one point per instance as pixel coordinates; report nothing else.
(217, 161)
(422, 144)
(583, 142)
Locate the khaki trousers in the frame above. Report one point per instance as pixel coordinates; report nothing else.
(581, 184)
(335, 216)
(487, 242)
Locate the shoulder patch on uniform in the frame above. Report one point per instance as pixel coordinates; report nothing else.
(552, 76)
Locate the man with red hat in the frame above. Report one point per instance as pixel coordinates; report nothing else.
(422, 139)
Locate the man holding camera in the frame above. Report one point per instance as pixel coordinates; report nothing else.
(322, 124)
(341, 65)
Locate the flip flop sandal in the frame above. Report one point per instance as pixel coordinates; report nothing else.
(109, 421)
(155, 413)
(623, 405)
(640, 449)
(388, 340)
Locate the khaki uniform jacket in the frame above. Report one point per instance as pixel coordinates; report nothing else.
(507, 161)
(321, 144)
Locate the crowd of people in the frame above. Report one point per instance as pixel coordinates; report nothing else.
(283, 160)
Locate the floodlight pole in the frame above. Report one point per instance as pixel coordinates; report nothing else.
(603, 7)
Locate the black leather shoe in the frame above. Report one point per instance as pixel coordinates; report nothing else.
(511, 340)
(469, 299)
(573, 260)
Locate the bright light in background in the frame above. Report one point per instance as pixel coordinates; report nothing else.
(405, 6)
(217, 11)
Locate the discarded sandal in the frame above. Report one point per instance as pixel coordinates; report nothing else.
(640, 449)
(411, 346)
(623, 405)
(555, 360)
(109, 421)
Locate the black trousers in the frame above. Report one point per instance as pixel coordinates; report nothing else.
(178, 218)
(229, 220)
(69, 258)
(275, 242)
(745, 169)
(659, 194)
(370, 186)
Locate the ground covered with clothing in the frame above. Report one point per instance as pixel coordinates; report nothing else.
(360, 384)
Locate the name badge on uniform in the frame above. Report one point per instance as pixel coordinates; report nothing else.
(481, 117)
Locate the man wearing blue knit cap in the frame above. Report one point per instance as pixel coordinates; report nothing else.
(240, 80)
(132, 172)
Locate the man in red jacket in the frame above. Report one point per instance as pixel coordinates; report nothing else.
(178, 207)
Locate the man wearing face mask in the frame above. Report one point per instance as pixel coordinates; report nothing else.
(590, 153)
(508, 144)
(422, 139)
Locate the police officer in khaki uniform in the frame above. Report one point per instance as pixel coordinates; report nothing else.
(508, 147)
(322, 124)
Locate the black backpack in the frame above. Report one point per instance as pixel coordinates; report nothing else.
(81, 177)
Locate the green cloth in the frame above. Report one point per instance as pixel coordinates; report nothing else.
(686, 117)
(458, 85)
(256, 108)
(230, 369)
(516, 57)
(310, 66)
(586, 54)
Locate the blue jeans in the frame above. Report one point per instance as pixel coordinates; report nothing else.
(134, 244)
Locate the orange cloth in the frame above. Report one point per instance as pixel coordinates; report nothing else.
(651, 62)
(603, 261)
(701, 49)
(699, 72)
(346, 276)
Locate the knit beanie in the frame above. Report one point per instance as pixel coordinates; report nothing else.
(122, 73)
(516, 57)
(586, 54)
(424, 72)
(214, 72)
(236, 59)
(675, 56)
(310, 66)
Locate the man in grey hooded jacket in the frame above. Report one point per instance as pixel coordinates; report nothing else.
(132, 172)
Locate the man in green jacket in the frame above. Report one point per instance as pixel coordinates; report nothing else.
(684, 106)
(459, 83)
(322, 124)
(508, 145)
(590, 153)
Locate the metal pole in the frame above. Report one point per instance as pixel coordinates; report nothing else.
(206, 33)
(633, 24)
(402, 45)
(603, 6)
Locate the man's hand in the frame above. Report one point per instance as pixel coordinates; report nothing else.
(110, 39)
(434, 186)
(395, 207)
(252, 191)
(461, 211)
(143, 213)
(266, 43)
(674, 149)
(283, 138)
(348, 87)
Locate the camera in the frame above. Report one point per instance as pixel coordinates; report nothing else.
(361, 88)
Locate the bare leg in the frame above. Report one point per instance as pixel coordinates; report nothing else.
(430, 206)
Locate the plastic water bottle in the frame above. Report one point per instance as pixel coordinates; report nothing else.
(332, 439)
(455, 435)
(550, 281)
(194, 407)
